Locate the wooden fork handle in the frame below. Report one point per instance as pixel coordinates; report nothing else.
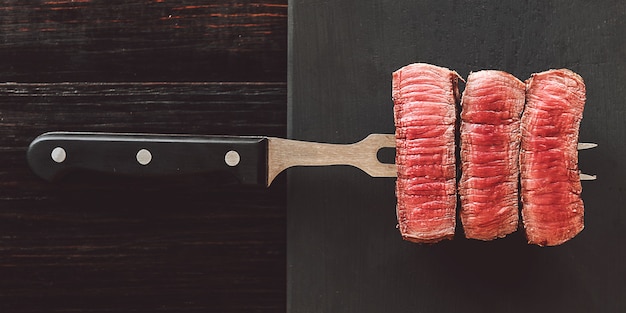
(286, 153)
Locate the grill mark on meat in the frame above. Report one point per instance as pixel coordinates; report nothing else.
(492, 105)
(552, 209)
(425, 98)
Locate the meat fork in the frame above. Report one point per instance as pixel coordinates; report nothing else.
(252, 160)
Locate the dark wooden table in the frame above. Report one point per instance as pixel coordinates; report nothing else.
(105, 244)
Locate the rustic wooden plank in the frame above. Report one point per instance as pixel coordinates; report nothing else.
(105, 244)
(174, 40)
(195, 108)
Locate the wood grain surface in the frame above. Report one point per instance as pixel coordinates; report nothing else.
(106, 244)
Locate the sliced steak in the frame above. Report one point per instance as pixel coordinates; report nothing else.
(552, 208)
(425, 98)
(492, 106)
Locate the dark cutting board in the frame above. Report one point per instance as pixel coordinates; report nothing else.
(344, 251)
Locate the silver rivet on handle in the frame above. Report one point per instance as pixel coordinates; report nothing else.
(58, 154)
(232, 158)
(144, 157)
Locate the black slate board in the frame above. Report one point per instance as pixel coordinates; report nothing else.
(344, 252)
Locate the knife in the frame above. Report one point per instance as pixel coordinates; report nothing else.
(252, 160)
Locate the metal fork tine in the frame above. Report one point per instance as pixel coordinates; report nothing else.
(586, 145)
(587, 177)
(388, 141)
(581, 145)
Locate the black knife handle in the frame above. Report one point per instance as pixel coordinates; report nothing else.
(54, 154)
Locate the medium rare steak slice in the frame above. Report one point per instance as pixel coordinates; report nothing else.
(492, 106)
(425, 98)
(552, 208)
